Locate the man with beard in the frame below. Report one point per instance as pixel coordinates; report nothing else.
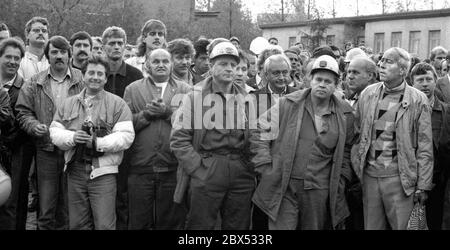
(93, 128)
(182, 52)
(36, 105)
(152, 171)
(119, 75)
(201, 60)
(81, 43)
(11, 138)
(36, 34)
(153, 36)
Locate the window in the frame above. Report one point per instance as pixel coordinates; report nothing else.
(330, 39)
(292, 41)
(396, 39)
(305, 41)
(379, 42)
(434, 39)
(414, 42)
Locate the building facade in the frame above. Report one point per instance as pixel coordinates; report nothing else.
(417, 32)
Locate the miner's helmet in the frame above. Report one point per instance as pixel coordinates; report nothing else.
(224, 49)
(325, 62)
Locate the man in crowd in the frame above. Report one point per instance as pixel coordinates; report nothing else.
(93, 128)
(4, 31)
(36, 34)
(152, 171)
(423, 77)
(81, 43)
(296, 69)
(182, 52)
(394, 156)
(258, 81)
(212, 156)
(201, 61)
(273, 41)
(119, 76)
(235, 41)
(97, 46)
(361, 73)
(438, 54)
(304, 167)
(128, 52)
(36, 105)
(11, 52)
(153, 36)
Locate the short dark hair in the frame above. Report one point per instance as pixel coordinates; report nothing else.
(323, 50)
(12, 42)
(80, 35)
(200, 47)
(58, 42)
(421, 69)
(36, 19)
(180, 46)
(95, 59)
(273, 38)
(3, 27)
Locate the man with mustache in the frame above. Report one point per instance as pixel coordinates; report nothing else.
(12, 139)
(153, 36)
(305, 166)
(36, 105)
(36, 34)
(182, 52)
(394, 156)
(92, 128)
(119, 76)
(424, 77)
(152, 167)
(81, 43)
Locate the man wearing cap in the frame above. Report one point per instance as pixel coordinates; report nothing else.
(394, 157)
(305, 164)
(210, 144)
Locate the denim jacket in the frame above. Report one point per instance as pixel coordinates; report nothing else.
(35, 104)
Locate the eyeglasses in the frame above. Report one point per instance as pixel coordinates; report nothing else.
(36, 30)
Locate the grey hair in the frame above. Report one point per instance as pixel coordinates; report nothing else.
(404, 60)
(276, 57)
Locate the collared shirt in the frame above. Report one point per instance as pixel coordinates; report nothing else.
(316, 145)
(7, 85)
(258, 80)
(190, 80)
(60, 88)
(118, 81)
(31, 65)
(229, 138)
(139, 63)
(162, 86)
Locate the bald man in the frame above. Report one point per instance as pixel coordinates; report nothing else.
(361, 72)
(152, 165)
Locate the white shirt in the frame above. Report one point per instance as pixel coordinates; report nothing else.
(258, 81)
(30, 65)
(138, 63)
(162, 85)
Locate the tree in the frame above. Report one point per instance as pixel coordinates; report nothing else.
(317, 30)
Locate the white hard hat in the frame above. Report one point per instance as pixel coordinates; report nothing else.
(325, 62)
(355, 52)
(224, 49)
(258, 45)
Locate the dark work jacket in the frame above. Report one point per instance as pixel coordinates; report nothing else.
(14, 136)
(263, 105)
(443, 89)
(441, 141)
(117, 82)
